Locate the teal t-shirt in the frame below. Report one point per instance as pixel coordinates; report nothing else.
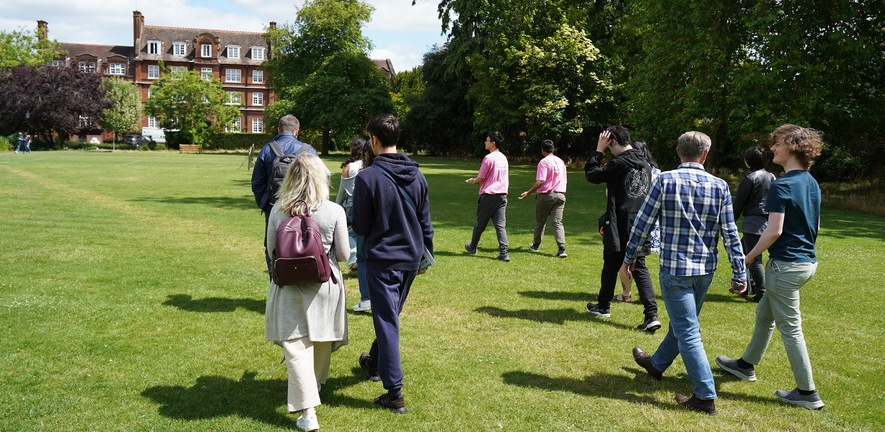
(797, 196)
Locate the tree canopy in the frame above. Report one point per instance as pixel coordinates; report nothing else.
(21, 47)
(125, 112)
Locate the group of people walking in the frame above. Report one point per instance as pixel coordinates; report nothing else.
(23, 142)
(381, 226)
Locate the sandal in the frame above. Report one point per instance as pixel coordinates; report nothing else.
(623, 298)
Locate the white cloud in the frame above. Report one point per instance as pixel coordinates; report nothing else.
(402, 59)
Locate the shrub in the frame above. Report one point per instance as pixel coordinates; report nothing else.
(837, 164)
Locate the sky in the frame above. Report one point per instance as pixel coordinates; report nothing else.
(398, 31)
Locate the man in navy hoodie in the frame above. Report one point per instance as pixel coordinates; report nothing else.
(395, 236)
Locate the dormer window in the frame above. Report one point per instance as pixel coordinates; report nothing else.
(153, 47)
(233, 51)
(257, 53)
(117, 69)
(206, 50)
(179, 49)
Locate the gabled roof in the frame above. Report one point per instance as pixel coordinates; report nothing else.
(386, 67)
(110, 52)
(168, 35)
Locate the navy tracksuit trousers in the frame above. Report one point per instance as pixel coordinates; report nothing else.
(388, 290)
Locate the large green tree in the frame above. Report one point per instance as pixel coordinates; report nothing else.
(321, 72)
(124, 115)
(22, 47)
(197, 107)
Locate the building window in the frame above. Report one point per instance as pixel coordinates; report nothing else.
(150, 92)
(236, 126)
(178, 68)
(153, 72)
(87, 67)
(206, 50)
(257, 53)
(234, 98)
(153, 123)
(257, 98)
(117, 69)
(233, 75)
(206, 73)
(85, 122)
(153, 47)
(258, 125)
(258, 76)
(233, 51)
(179, 49)
(57, 63)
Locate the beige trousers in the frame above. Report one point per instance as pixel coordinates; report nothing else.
(308, 365)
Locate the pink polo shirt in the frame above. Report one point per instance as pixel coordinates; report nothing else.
(494, 170)
(551, 171)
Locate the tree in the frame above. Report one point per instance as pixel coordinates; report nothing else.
(125, 112)
(321, 72)
(24, 48)
(47, 100)
(197, 107)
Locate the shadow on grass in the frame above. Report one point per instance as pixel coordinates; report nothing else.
(243, 202)
(552, 316)
(213, 304)
(559, 295)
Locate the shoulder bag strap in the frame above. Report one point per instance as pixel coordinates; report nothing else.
(402, 191)
(275, 148)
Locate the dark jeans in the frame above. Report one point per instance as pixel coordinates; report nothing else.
(266, 252)
(494, 208)
(612, 262)
(757, 272)
(388, 290)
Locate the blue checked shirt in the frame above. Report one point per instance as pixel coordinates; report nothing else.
(694, 208)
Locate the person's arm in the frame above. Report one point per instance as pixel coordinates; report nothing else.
(742, 196)
(259, 179)
(475, 180)
(772, 232)
(342, 193)
(362, 208)
(341, 240)
(534, 187)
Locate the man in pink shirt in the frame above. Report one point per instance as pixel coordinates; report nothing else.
(493, 180)
(550, 183)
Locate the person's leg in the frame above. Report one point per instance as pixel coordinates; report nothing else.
(556, 218)
(302, 390)
(351, 237)
(645, 288)
(484, 210)
(763, 328)
(611, 263)
(388, 290)
(784, 291)
(543, 203)
(684, 297)
(322, 359)
(499, 218)
(756, 271)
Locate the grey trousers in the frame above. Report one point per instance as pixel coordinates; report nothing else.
(550, 205)
(494, 208)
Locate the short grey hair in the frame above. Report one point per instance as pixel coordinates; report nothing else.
(289, 123)
(693, 144)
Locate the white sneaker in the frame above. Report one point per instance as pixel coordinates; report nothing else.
(363, 306)
(308, 423)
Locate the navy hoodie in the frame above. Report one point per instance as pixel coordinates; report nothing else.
(395, 234)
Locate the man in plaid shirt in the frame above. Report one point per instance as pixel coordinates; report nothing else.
(694, 209)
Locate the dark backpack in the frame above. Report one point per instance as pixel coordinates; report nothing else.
(278, 169)
(299, 257)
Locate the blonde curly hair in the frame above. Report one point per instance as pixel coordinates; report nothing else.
(804, 143)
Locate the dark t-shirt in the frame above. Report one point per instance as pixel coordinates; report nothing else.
(797, 196)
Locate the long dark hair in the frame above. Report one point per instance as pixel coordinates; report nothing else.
(645, 152)
(357, 150)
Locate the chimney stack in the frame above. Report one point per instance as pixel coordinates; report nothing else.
(137, 26)
(42, 29)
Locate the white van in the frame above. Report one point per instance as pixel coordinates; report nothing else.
(154, 134)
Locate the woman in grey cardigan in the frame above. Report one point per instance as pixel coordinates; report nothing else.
(308, 321)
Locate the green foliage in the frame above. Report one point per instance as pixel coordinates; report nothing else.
(126, 112)
(20, 47)
(837, 164)
(197, 107)
(238, 141)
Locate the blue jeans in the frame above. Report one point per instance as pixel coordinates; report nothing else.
(683, 297)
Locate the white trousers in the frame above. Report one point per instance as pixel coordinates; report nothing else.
(308, 365)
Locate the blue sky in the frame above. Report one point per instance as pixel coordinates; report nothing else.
(398, 30)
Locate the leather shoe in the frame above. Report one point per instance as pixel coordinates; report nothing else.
(643, 359)
(705, 406)
(397, 406)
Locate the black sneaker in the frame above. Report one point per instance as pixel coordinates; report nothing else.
(561, 253)
(598, 311)
(471, 249)
(650, 324)
(371, 371)
(535, 248)
(397, 406)
(503, 257)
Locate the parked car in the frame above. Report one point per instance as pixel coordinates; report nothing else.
(135, 141)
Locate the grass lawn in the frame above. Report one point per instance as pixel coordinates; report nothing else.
(132, 299)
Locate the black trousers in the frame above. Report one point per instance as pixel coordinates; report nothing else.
(612, 262)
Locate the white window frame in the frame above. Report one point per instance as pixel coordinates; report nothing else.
(57, 63)
(87, 66)
(258, 98)
(206, 50)
(179, 49)
(234, 98)
(178, 68)
(233, 51)
(206, 74)
(153, 72)
(150, 92)
(230, 74)
(258, 76)
(237, 125)
(154, 47)
(258, 125)
(117, 69)
(257, 53)
(153, 123)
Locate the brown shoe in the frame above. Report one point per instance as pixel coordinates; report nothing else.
(707, 406)
(643, 359)
(397, 406)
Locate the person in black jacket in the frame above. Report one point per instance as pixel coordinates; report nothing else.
(749, 202)
(628, 177)
(395, 237)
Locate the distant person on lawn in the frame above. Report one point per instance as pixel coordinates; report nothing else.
(263, 186)
(793, 206)
(493, 180)
(308, 321)
(694, 209)
(550, 184)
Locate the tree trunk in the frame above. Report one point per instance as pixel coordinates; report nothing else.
(327, 142)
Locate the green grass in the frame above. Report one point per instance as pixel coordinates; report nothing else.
(132, 299)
